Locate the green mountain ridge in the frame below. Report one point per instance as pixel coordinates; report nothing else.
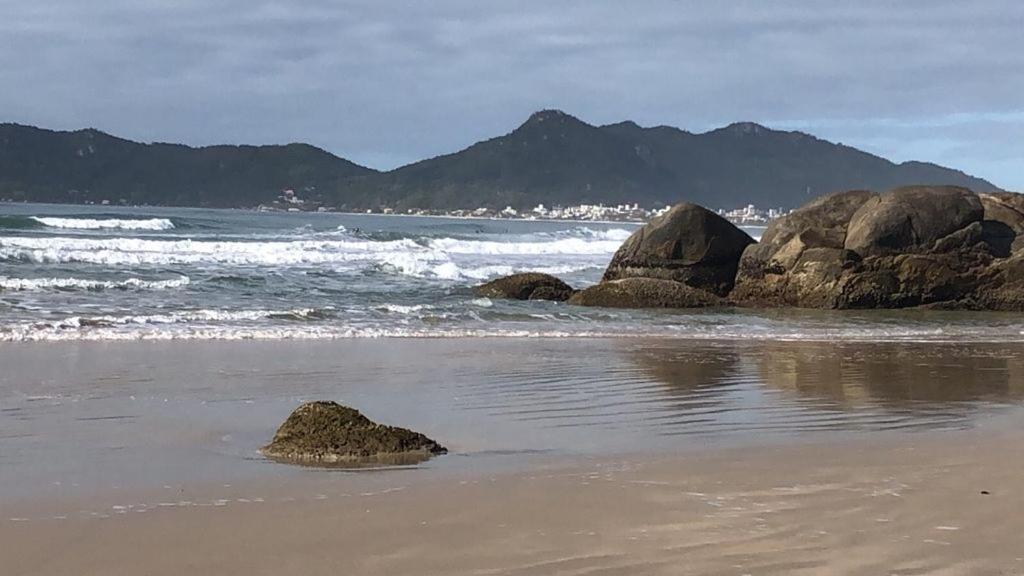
(553, 158)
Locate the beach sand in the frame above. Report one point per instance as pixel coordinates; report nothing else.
(942, 504)
(568, 457)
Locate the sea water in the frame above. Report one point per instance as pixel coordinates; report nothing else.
(111, 273)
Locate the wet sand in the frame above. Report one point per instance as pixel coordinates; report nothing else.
(947, 504)
(568, 457)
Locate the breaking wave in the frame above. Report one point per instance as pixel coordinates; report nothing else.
(320, 324)
(105, 223)
(29, 284)
(443, 258)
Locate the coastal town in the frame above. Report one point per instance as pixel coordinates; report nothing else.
(749, 215)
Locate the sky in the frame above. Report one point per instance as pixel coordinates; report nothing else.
(386, 83)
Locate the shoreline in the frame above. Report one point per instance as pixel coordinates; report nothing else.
(256, 210)
(919, 504)
(81, 416)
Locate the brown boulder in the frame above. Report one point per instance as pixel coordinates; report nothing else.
(1001, 286)
(526, 286)
(326, 433)
(911, 219)
(1006, 208)
(800, 258)
(645, 293)
(914, 246)
(688, 244)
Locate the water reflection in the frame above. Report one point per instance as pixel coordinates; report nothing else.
(804, 386)
(894, 374)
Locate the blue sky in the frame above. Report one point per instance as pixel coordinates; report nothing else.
(385, 83)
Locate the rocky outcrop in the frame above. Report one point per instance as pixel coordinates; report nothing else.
(327, 433)
(688, 244)
(911, 219)
(801, 257)
(915, 246)
(526, 286)
(931, 246)
(645, 293)
(1006, 208)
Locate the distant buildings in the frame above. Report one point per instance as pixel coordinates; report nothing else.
(289, 201)
(752, 215)
(749, 215)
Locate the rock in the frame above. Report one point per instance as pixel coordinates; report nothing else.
(911, 219)
(526, 286)
(914, 246)
(1001, 286)
(645, 293)
(687, 244)
(800, 258)
(325, 433)
(1006, 208)
(821, 222)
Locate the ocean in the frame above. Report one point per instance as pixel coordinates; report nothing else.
(112, 273)
(191, 334)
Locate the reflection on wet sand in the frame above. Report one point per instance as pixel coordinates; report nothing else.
(206, 407)
(818, 385)
(898, 375)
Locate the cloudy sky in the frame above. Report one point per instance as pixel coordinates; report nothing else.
(385, 83)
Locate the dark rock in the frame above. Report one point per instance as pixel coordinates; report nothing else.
(800, 258)
(1006, 208)
(911, 219)
(1001, 285)
(999, 239)
(687, 244)
(526, 286)
(325, 433)
(645, 293)
(918, 246)
(822, 222)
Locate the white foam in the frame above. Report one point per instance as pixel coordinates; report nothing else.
(401, 309)
(185, 317)
(436, 259)
(258, 324)
(32, 284)
(561, 246)
(105, 224)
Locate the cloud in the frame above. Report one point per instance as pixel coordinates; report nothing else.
(388, 82)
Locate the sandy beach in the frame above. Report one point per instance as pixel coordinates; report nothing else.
(568, 456)
(948, 504)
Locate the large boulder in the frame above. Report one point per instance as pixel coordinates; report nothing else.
(915, 246)
(1001, 285)
(801, 256)
(645, 293)
(1006, 208)
(526, 286)
(911, 219)
(688, 244)
(327, 433)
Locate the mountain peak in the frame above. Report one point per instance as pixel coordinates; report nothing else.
(746, 128)
(549, 115)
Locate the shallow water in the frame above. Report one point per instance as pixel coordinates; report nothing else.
(102, 273)
(81, 417)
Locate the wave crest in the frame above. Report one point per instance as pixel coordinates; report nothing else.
(105, 223)
(32, 284)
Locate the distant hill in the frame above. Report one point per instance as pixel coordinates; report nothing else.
(553, 158)
(89, 165)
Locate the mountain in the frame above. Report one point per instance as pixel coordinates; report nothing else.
(553, 158)
(89, 165)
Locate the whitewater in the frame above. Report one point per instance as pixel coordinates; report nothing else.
(92, 274)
